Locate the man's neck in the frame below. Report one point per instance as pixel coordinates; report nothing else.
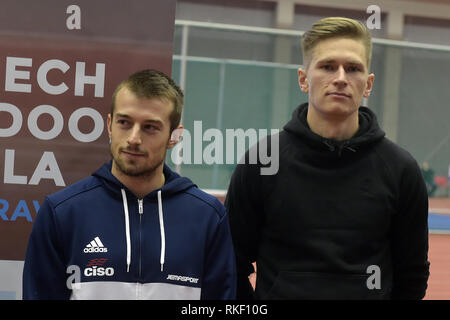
(336, 128)
(140, 185)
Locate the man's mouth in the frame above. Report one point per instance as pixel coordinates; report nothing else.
(130, 153)
(338, 94)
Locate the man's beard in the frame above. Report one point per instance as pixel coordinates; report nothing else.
(130, 169)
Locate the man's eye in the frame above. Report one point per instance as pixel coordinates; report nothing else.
(353, 69)
(123, 123)
(327, 67)
(150, 127)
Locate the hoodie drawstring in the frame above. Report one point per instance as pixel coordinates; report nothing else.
(329, 145)
(161, 228)
(339, 148)
(127, 229)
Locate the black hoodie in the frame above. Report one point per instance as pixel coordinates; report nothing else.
(339, 220)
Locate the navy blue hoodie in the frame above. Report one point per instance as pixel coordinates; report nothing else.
(97, 240)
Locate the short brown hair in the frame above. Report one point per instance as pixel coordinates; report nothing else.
(335, 27)
(151, 83)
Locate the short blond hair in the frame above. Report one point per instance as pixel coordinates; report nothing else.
(335, 27)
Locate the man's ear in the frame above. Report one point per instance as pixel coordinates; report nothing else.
(302, 80)
(108, 124)
(175, 137)
(369, 85)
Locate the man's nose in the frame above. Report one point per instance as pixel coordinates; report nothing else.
(135, 135)
(340, 76)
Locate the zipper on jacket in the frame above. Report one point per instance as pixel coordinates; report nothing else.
(141, 212)
(141, 206)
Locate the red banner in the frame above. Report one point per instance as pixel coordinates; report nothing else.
(60, 62)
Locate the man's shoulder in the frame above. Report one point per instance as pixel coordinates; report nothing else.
(392, 151)
(77, 188)
(398, 161)
(208, 200)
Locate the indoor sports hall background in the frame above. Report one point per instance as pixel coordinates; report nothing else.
(237, 61)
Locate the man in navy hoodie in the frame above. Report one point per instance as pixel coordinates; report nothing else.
(345, 216)
(134, 229)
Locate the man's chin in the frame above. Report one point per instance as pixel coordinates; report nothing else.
(338, 110)
(133, 170)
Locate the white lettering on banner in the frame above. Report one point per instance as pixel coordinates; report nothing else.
(98, 124)
(58, 122)
(42, 76)
(81, 79)
(9, 176)
(47, 161)
(19, 78)
(17, 120)
(12, 74)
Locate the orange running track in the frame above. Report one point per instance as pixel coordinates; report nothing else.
(439, 256)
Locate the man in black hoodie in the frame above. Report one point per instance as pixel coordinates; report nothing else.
(345, 216)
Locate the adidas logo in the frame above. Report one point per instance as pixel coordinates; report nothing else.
(95, 246)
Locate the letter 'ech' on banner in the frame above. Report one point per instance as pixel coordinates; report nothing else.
(60, 62)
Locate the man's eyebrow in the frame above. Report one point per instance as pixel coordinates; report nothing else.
(153, 121)
(353, 62)
(122, 115)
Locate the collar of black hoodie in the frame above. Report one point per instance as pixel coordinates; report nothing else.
(369, 132)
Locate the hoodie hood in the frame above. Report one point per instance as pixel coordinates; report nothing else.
(174, 184)
(369, 132)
